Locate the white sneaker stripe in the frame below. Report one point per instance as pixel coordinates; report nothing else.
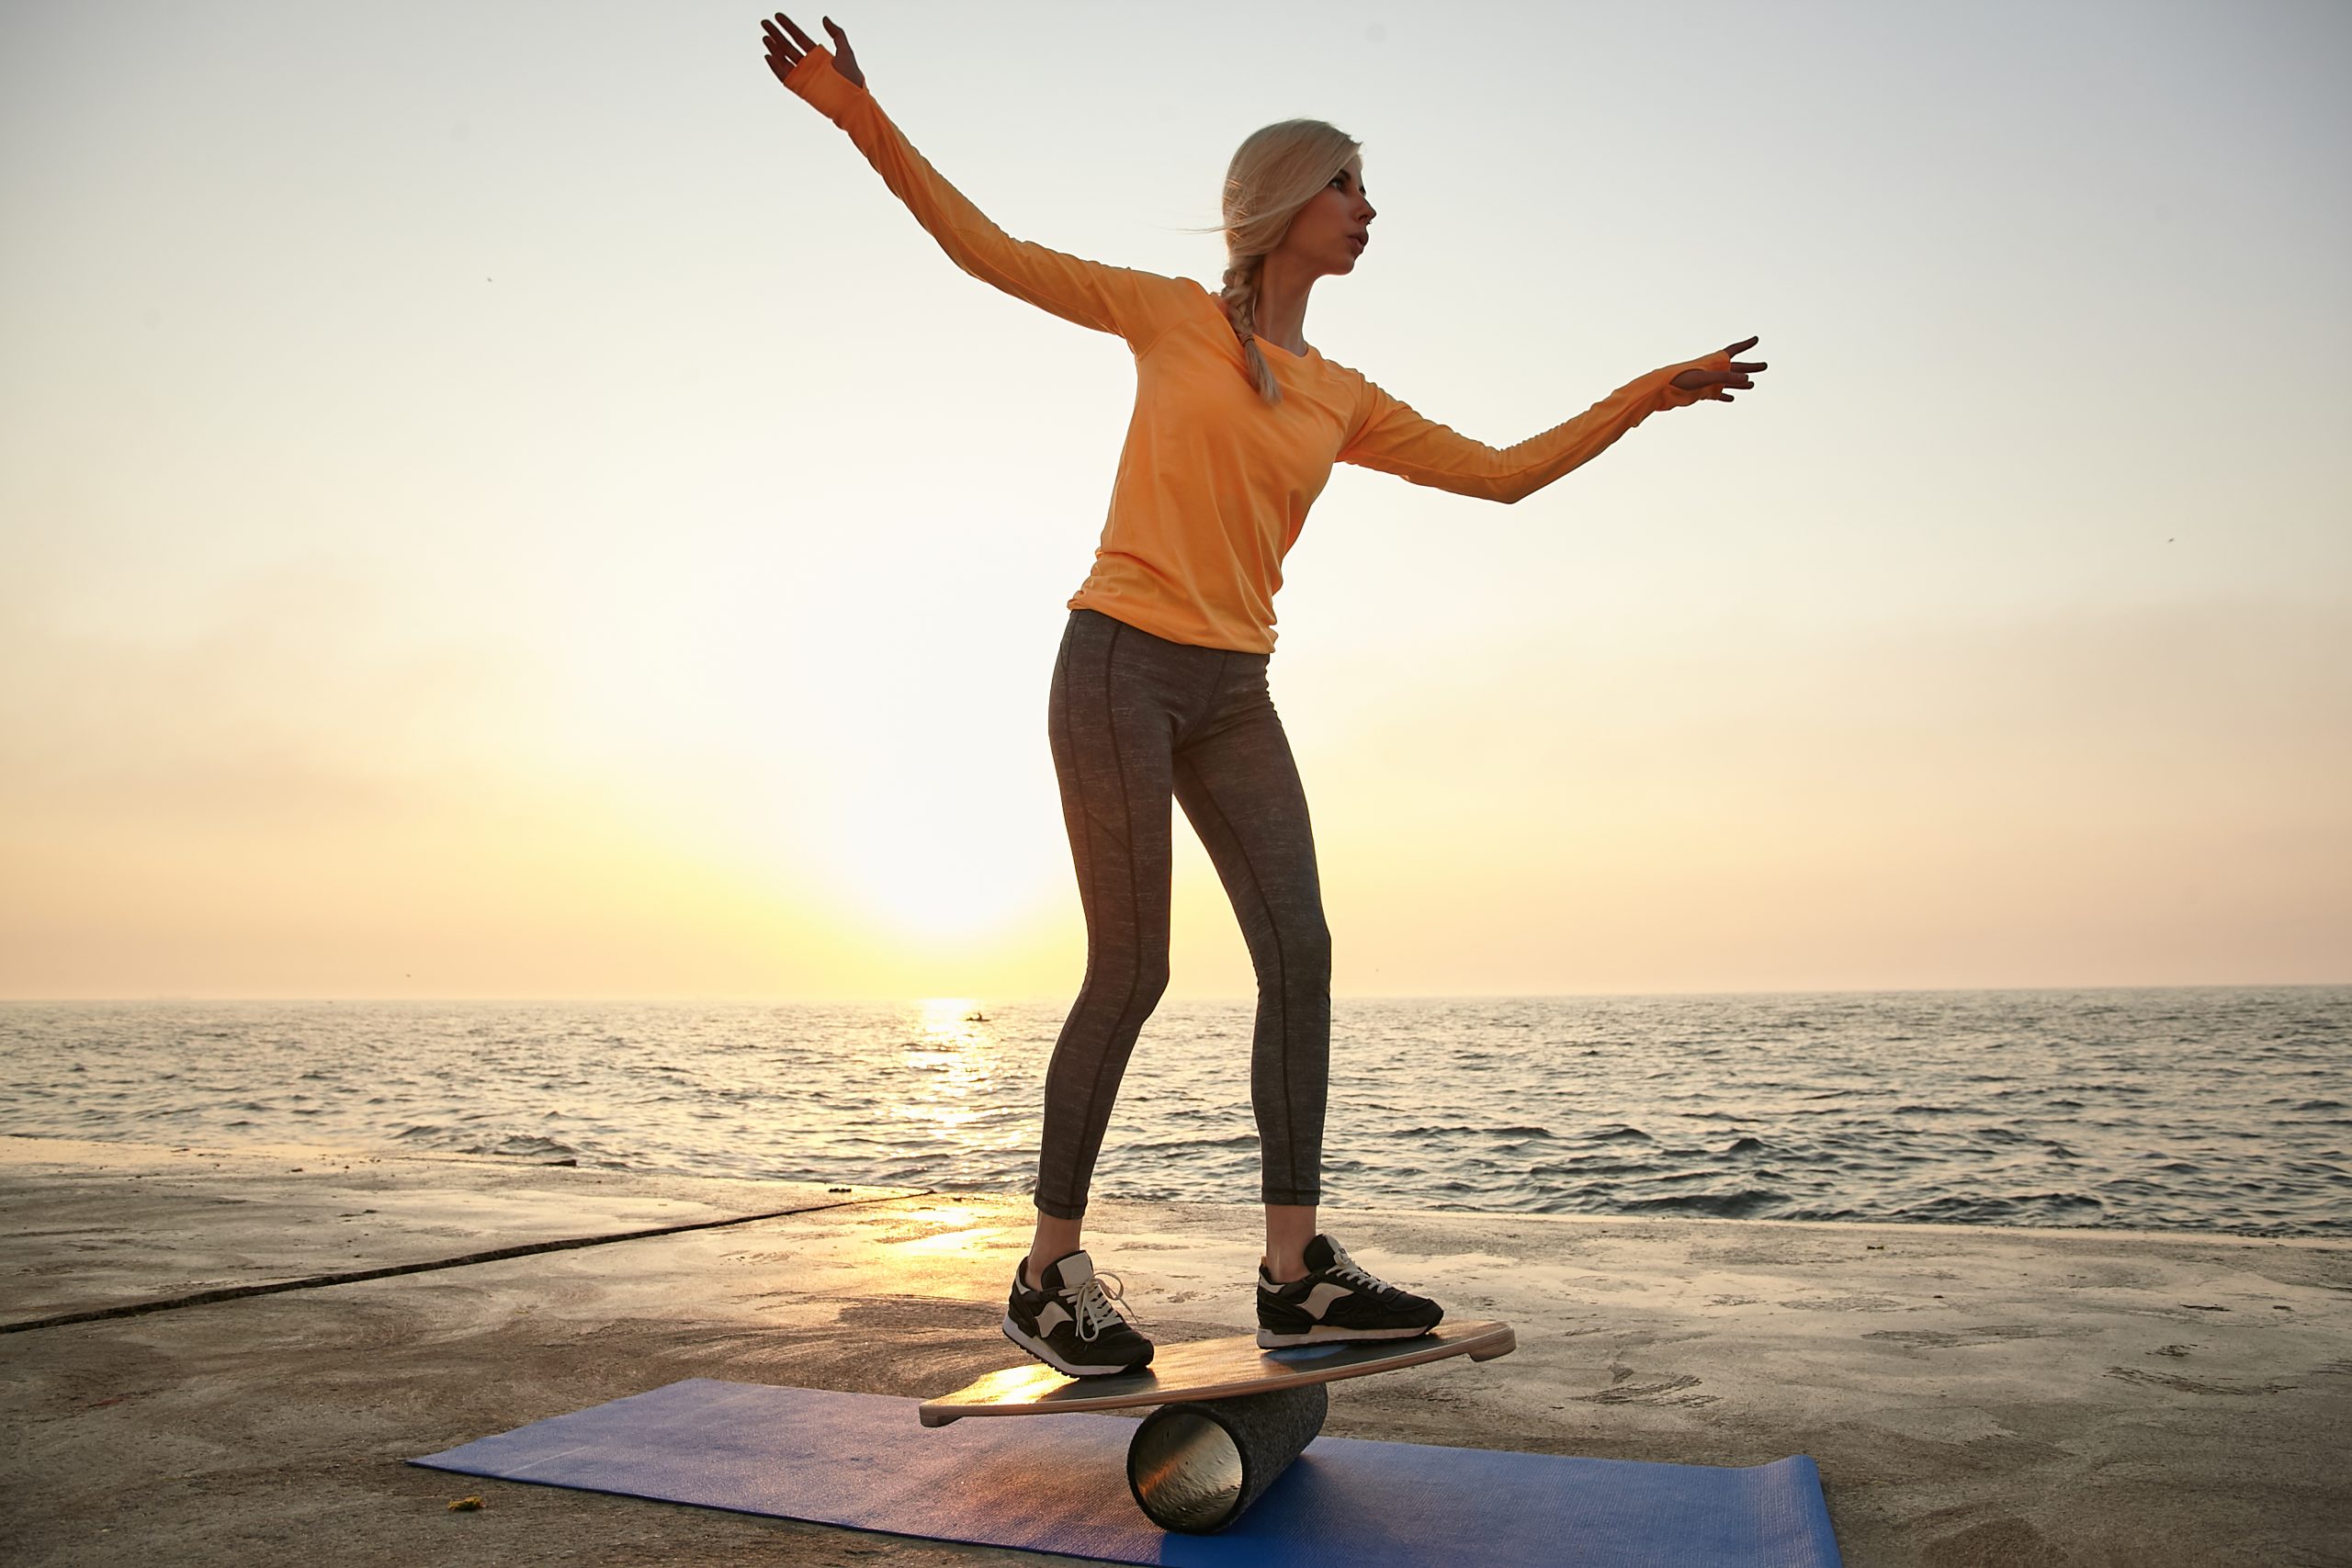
(1319, 1300)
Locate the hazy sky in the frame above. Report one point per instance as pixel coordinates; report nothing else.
(502, 502)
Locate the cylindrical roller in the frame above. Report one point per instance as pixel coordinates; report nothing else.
(1195, 1467)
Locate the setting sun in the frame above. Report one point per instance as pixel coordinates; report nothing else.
(940, 848)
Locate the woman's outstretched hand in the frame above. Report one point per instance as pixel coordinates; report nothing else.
(784, 53)
(1713, 382)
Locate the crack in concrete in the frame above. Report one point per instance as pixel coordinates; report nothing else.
(495, 1254)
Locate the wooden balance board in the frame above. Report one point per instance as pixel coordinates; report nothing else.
(1210, 1368)
(1231, 1416)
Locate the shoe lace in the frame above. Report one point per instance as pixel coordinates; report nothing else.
(1354, 1273)
(1098, 1309)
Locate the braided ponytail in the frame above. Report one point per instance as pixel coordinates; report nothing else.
(1239, 297)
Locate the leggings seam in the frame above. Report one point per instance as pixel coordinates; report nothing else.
(1088, 873)
(1126, 810)
(1217, 689)
(1281, 970)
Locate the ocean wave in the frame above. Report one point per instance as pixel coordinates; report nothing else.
(1749, 1203)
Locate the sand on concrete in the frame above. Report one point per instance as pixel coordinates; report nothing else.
(1975, 1397)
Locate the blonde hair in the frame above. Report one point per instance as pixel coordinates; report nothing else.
(1278, 169)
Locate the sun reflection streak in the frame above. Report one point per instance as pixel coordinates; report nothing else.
(971, 1240)
(951, 1058)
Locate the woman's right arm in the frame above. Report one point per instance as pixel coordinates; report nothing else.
(1134, 304)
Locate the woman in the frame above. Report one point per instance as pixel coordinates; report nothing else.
(1160, 686)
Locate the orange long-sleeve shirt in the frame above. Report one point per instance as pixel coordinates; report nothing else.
(1214, 483)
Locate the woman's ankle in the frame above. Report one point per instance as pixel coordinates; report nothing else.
(1289, 1228)
(1033, 1267)
(1053, 1239)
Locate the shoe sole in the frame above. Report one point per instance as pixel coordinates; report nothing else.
(1270, 1340)
(1037, 1348)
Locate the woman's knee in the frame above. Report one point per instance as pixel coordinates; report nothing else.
(1294, 952)
(1131, 981)
(1151, 981)
(1315, 945)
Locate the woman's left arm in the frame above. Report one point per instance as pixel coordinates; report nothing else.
(1395, 438)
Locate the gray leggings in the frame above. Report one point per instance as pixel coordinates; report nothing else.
(1134, 719)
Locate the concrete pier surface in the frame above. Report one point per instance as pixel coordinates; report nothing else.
(221, 1354)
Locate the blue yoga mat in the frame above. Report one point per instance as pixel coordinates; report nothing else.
(1059, 1483)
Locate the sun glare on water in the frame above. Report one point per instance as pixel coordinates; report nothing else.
(951, 1056)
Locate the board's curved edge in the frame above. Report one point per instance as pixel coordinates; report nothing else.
(1504, 1346)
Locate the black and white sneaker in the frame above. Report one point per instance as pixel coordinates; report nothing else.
(1072, 1324)
(1336, 1303)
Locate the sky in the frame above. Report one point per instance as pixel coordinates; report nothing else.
(501, 502)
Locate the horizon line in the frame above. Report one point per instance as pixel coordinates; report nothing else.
(1236, 997)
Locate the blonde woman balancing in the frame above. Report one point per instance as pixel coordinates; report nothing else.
(1159, 689)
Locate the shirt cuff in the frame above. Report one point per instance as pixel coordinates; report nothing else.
(817, 80)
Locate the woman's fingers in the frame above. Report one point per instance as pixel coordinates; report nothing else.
(1744, 367)
(784, 53)
(782, 57)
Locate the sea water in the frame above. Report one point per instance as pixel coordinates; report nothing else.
(2197, 1109)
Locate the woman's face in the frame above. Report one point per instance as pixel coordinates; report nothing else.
(1329, 231)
